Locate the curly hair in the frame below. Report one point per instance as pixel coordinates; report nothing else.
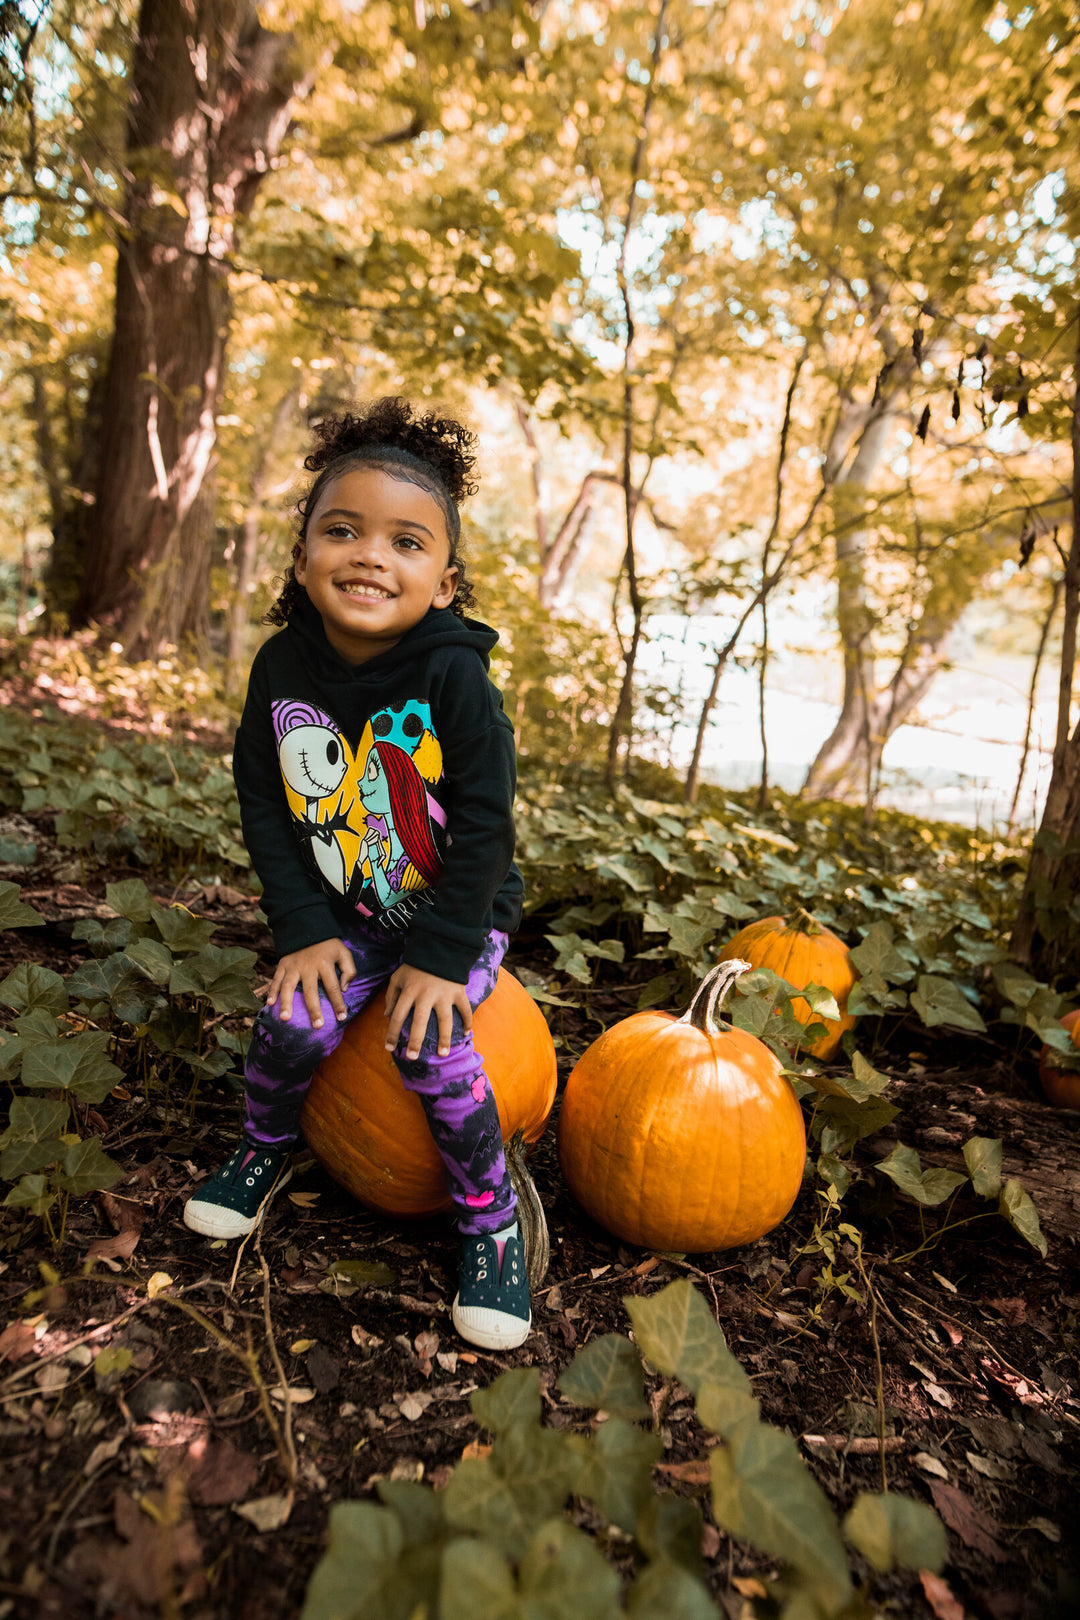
(435, 452)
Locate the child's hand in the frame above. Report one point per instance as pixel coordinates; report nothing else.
(329, 963)
(411, 990)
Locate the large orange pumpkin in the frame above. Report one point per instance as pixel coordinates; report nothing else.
(802, 951)
(1062, 1086)
(682, 1133)
(371, 1134)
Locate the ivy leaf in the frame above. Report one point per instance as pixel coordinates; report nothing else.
(22, 1158)
(941, 1001)
(130, 899)
(361, 1559)
(475, 1583)
(13, 912)
(86, 1167)
(893, 1531)
(152, 959)
(982, 1155)
(679, 1334)
(668, 1590)
(32, 1119)
(845, 1122)
(30, 985)
(763, 1493)
(31, 1193)
(607, 1374)
(726, 1410)
(877, 954)
(616, 1473)
(928, 1187)
(1018, 1208)
(181, 929)
(77, 1065)
(563, 1573)
(511, 1400)
(669, 1531)
(864, 1081)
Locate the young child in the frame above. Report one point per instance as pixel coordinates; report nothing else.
(375, 771)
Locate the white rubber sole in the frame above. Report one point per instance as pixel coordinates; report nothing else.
(487, 1329)
(217, 1221)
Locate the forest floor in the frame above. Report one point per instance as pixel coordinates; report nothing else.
(142, 1483)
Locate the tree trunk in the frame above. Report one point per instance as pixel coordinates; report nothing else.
(851, 733)
(247, 539)
(1046, 937)
(210, 98)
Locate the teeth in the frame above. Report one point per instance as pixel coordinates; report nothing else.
(365, 590)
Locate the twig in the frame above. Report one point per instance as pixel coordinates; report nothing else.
(283, 1382)
(879, 1375)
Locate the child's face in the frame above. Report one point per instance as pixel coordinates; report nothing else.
(375, 558)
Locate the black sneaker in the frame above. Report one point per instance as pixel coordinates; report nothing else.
(491, 1307)
(230, 1204)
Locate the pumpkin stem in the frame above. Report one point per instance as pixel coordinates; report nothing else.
(711, 991)
(803, 923)
(530, 1211)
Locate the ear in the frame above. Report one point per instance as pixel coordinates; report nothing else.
(444, 593)
(299, 562)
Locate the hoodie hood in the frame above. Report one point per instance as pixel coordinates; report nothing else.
(437, 629)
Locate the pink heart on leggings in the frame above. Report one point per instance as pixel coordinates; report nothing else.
(479, 1088)
(480, 1200)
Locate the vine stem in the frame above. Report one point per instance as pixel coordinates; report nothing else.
(709, 996)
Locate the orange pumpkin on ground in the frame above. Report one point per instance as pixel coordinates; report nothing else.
(802, 951)
(683, 1133)
(371, 1134)
(1062, 1086)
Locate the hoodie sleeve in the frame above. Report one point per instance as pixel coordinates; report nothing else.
(296, 907)
(477, 741)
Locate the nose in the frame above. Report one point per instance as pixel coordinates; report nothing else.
(370, 550)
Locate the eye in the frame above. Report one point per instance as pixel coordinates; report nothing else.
(312, 760)
(410, 542)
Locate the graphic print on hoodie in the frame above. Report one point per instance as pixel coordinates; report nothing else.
(381, 790)
(369, 818)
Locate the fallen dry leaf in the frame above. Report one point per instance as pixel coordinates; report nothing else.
(694, 1472)
(939, 1595)
(218, 1473)
(17, 1341)
(476, 1448)
(975, 1528)
(748, 1586)
(930, 1465)
(266, 1512)
(414, 1404)
(112, 1249)
(299, 1395)
(1013, 1311)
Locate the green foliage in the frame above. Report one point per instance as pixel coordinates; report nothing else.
(495, 1543)
(134, 799)
(149, 996)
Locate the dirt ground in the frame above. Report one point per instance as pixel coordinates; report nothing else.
(143, 1485)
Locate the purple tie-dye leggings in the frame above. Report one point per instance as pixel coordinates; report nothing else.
(454, 1090)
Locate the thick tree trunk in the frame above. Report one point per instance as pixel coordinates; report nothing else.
(210, 99)
(1046, 937)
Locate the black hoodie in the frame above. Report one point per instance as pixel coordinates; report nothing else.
(384, 789)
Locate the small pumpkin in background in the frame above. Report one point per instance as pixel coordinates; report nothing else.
(802, 951)
(683, 1133)
(372, 1136)
(1061, 1086)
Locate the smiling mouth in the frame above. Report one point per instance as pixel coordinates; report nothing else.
(367, 593)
